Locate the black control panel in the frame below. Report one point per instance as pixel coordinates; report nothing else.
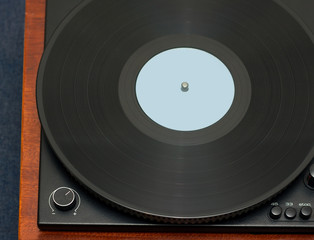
(65, 205)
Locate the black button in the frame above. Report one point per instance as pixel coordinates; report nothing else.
(275, 212)
(290, 213)
(306, 212)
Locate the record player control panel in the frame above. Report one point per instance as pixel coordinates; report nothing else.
(296, 210)
(287, 207)
(64, 204)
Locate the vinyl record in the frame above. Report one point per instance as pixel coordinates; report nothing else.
(90, 111)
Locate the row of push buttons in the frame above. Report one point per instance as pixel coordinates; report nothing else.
(291, 213)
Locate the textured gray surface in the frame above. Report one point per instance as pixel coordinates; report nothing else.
(11, 68)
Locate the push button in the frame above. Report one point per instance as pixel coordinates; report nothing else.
(290, 213)
(306, 212)
(275, 212)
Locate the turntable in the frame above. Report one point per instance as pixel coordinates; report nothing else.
(184, 116)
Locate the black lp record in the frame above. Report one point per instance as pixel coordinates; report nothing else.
(88, 106)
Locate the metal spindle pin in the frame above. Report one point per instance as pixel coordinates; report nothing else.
(184, 87)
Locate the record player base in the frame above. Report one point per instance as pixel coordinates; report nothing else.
(30, 145)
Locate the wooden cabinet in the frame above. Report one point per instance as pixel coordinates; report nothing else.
(30, 147)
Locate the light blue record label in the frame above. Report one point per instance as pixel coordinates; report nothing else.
(185, 89)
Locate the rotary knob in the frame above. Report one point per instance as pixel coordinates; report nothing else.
(64, 198)
(309, 178)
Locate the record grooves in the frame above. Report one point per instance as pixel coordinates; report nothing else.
(89, 112)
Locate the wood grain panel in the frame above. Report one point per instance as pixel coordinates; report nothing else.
(34, 42)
